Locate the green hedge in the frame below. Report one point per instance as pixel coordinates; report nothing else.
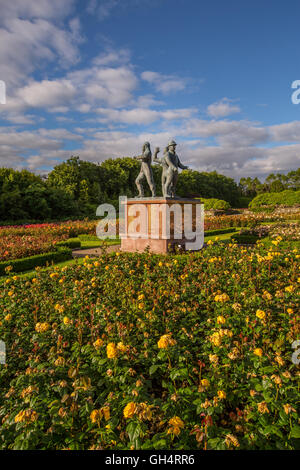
(245, 238)
(26, 264)
(209, 233)
(216, 204)
(287, 198)
(70, 243)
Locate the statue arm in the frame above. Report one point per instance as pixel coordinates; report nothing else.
(183, 167)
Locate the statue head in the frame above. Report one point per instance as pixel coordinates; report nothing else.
(146, 145)
(172, 143)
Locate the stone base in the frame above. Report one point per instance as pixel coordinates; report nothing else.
(133, 245)
(141, 236)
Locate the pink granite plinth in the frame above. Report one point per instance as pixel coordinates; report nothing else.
(140, 236)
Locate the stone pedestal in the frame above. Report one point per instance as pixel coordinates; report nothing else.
(159, 224)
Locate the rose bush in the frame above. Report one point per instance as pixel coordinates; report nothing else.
(136, 351)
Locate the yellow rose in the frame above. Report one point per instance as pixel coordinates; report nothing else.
(165, 341)
(8, 317)
(121, 347)
(260, 314)
(98, 343)
(205, 383)
(129, 410)
(258, 352)
(221, 320)
(289, 289)
(111, 351)
(42, 327)
(95, 416)
(67, 321)
(221, 394)
(106, 412)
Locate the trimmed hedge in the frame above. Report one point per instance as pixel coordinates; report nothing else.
(245, 238)
(25, 264)
(209, 233)
(286, 198)
(70, 243)
(216, 204)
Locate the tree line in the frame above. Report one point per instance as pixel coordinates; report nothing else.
(74, 188)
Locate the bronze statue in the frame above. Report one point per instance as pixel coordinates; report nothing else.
(170, 163)
(145, 171)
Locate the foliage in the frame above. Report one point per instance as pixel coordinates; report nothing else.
(216, 204)
(70, 243)
(26, 264)
(154, 352)
(286, 198)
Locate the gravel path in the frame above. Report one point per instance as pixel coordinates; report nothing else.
(94, 252)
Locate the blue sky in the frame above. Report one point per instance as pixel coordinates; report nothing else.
(97, 78)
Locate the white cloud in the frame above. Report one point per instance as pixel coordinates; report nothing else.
(287, 132)
(121, 56)
(164, 83)
(29, 36)
(142, 115)
(222, 108)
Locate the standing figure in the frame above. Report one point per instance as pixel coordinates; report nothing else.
(146, 170)
(170, 163)
(165, 168)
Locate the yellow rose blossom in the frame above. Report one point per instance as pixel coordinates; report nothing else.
(98, 343)
(26, 416)
(260, 314)
(165, 341)
(290, 311)
(289, 289)
(176, 424)
(95, 416)
(258, 352)
(221, 298)
(288, 409)
(262, 407)
(106, 412)
(231, 439)
(42, 327)
(8, 317)
(205, 383)
(111, 351)
(221, 320)
(67, 321)
(121, 347)
(221, 394)
(60, 361)
(129, 410)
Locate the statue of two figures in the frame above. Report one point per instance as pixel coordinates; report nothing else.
(170, 163)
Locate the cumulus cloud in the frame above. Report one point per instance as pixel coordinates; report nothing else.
(142, 115)
(164, 83)
(222, 108)
(30, 34)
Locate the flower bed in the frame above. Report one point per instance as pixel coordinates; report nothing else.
(28, 240)
(153, 352)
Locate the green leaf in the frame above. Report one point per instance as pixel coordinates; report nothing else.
(153, 369)
(295, 431)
